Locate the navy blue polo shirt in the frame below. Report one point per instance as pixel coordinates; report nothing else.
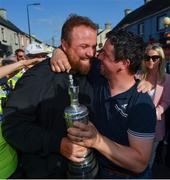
(117, 116)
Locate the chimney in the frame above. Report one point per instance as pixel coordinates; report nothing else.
(127, 11)
(99, 29)
(146, 1)
(3, 13)
(108, 26)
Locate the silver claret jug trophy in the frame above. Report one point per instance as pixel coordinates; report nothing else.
(88, 168)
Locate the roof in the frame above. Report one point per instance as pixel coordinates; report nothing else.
(9, 25)
(147, 9)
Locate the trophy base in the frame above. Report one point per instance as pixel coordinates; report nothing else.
(84, 175)
(88, 169)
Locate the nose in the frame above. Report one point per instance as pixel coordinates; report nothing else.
(90, 52)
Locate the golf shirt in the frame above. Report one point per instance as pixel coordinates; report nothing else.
(117, 116)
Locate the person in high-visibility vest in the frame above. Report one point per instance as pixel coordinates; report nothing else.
(8, 156)
(13, 80)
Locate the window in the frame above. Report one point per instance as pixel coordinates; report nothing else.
(3, 35)
(22, 40)
(16, 38)
(141, 29)
(160, 25)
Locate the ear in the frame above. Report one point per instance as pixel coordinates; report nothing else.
(64, 45)
(126, 63)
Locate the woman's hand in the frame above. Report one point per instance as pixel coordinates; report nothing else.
(144, 86)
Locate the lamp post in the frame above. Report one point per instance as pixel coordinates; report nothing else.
(28, 18)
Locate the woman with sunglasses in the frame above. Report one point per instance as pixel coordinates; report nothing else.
(153, 71)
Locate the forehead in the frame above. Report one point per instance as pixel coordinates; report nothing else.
(84, 34)
(20, 52)
(108, 47)
(153, 52)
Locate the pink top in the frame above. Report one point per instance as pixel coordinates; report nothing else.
(161, 101)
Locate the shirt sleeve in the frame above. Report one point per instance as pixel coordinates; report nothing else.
(142, 118)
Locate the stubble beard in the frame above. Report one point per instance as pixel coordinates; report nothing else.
(82, 67)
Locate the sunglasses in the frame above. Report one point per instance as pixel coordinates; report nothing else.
(154, 58)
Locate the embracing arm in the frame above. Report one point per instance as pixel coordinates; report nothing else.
(59, 61)
(8, 69)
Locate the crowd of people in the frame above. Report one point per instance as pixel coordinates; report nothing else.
(11, 70)
(126, 106)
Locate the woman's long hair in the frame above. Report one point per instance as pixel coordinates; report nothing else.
(161, 67)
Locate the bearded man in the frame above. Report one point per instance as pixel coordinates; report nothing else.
(34, 122)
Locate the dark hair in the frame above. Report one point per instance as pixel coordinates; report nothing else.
(127, 46)
(19, 50)
(75, 21)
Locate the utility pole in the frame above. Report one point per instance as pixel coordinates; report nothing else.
(28, 19)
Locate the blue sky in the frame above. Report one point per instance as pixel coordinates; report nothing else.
(47, 19)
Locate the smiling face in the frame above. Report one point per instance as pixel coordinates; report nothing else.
(81, 49)
(109, 66)
(153, 60)
(106, 57)
(20, 55)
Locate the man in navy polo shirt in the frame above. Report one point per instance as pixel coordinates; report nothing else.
(124, 121)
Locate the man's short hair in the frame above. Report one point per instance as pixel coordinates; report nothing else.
(75, 21)
(19, 50)
(129, 46)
